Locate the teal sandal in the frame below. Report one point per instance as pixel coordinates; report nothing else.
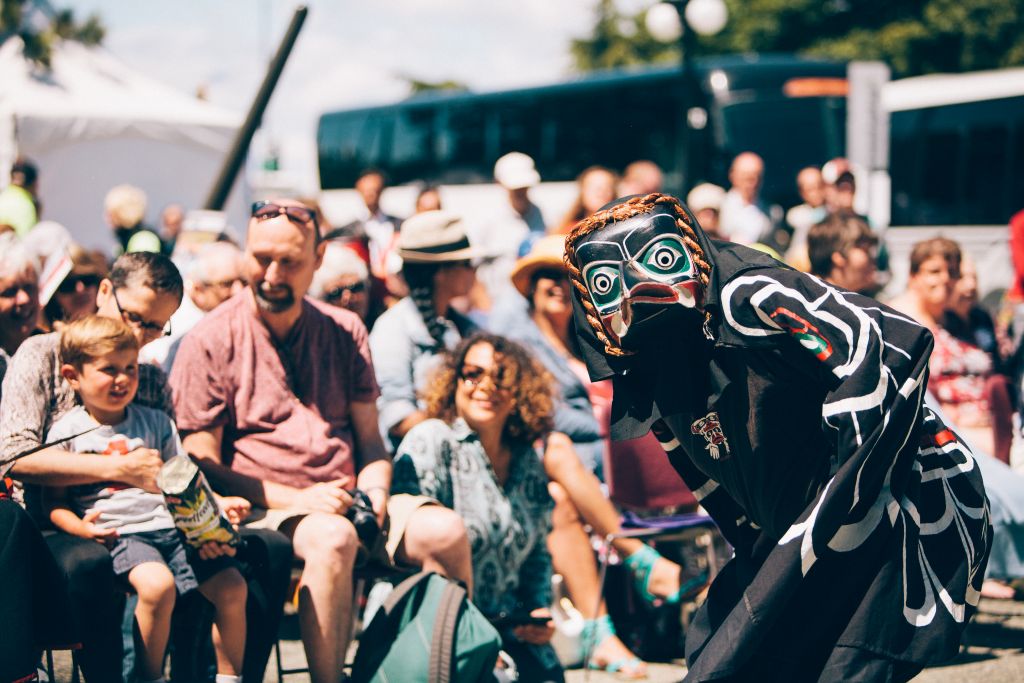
(641, 565)
(595, 632)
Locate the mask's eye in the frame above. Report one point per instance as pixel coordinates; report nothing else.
(605, 285)
(666, 257)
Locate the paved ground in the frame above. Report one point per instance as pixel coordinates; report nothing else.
(993, 652)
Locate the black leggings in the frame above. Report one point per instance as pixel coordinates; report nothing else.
(34, 608)
(97, 603)
(535, 663)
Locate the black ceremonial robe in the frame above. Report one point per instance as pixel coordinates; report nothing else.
(796, 416)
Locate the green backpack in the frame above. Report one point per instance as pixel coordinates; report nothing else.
(427, 631)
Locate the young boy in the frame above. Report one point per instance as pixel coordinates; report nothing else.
(99, 359)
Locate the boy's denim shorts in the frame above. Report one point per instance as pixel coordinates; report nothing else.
(166, 547)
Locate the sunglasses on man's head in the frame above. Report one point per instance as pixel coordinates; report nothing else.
(71, 282)
(336, 293)
(264, 210)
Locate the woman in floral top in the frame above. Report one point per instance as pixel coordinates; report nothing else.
(958, 375)
(488, 405)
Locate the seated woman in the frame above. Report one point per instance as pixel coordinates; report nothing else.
(959, 374)
(958, 369)
(541, 320)
(486, 407)
(75, 297)
(971, 324)
(342, 280)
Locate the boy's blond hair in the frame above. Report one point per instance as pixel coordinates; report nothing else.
(87, 339)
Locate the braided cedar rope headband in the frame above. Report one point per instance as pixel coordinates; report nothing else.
(620, 212)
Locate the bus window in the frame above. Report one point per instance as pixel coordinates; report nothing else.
(788, 134)
(464, 155)
(412, 144)
(579, 126)
(957, 164)
(986, 176)
(1016, 189)
(520, 126)
(354, 144)
(941, 158)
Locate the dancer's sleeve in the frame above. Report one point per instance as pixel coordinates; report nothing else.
(874, 363)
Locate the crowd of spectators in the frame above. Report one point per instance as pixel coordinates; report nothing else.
(428, 364)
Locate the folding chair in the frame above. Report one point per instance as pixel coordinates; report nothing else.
(76, 675)
(641, 480)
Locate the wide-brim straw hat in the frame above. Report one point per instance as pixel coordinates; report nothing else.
(547, 252)
(435, 237)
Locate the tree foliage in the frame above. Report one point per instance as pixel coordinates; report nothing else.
(417, 85)
(39, 29)
(619, 40)
(912, 36)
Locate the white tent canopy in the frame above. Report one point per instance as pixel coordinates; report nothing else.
(90, 123)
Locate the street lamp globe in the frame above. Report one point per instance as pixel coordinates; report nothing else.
(706, 17)
(662, 22)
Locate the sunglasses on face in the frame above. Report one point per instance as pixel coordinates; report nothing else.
(264, 210)
(336, 293)
(12, 291)
(71, 282)
(555, 274)
(474, 376)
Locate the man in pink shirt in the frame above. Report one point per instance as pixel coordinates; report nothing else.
(275, 396)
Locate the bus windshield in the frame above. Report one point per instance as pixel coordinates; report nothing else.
(788, 133)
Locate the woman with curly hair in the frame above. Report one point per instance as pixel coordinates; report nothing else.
(487, 406)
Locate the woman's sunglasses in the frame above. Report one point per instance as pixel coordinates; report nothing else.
(71, 282)
(264, 210)
(473, 376)
(336, 293)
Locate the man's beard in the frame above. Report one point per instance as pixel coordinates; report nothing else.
(276, 305)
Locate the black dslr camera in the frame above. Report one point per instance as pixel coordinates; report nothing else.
(361, 514)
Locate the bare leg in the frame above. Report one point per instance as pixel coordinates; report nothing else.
(327, 543)
(435, 539)
(154, 584)
(584, 490)
(227, 591)
(573, 558)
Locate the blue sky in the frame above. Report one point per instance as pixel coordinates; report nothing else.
(350, 53)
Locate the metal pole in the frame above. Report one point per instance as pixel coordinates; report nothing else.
(240, 147)
(686, 78)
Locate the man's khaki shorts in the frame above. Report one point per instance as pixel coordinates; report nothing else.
(400, 509)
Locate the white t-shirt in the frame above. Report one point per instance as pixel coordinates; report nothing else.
(742, 222)
(122, 507)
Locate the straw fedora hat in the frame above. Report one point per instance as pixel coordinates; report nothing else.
(547, 252)
(435, 237)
